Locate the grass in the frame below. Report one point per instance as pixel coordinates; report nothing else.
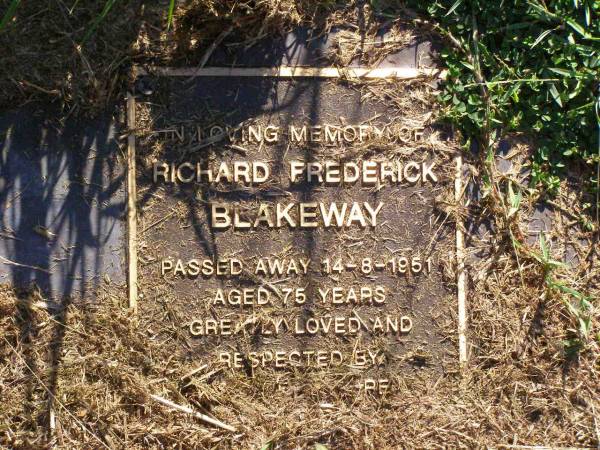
(533, 375)
(98, 20)
(170, 14)
(514, 67)
(9, 14)
(525, 66)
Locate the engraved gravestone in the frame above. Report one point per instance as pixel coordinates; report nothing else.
(291, 225)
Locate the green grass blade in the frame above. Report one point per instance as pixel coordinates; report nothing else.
(73, 7)
(92, 28)
(559, 71)
(578, 28)
(9, 14)
(555, 94)
(171, 11)
(456, 5)
(541, 37)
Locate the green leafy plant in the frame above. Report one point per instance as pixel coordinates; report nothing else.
(580, 309)
(528, 66)
(514, 199)
(524, 66)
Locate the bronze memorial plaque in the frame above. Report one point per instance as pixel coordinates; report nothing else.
(297, 229)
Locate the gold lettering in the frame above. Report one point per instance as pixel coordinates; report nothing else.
(298, 134)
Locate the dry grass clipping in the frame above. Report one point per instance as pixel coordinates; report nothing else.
(84, 375)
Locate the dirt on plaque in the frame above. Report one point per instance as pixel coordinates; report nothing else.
(295, 226)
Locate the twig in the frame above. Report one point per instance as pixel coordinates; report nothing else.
(162, 219)
(537, 447)
(52, 421)
(27, 266)
(8, 236)
(596, 428)
(239, 149)
(518, 80)
(48, 306)
(190, 411)
(17, 195)
(195, 371)
(206, 142)
(563, 210)
(41, 89)
(211, 48)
